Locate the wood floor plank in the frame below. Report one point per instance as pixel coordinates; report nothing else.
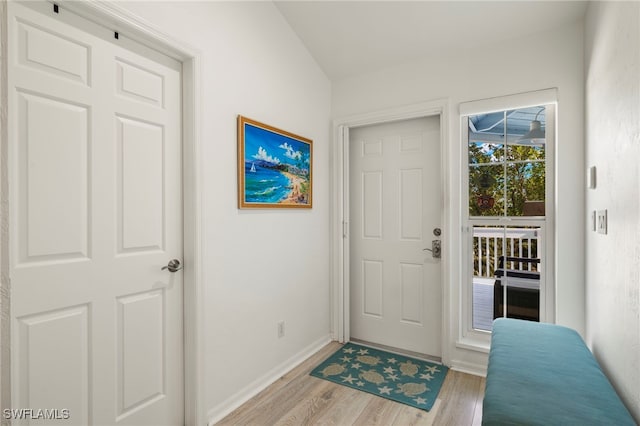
(348, 406)
(277, 391)
(410, 416)
(379, 411)
(459, 395)
(277, 405)
(477, 415)
(311, 406)
(300, 399)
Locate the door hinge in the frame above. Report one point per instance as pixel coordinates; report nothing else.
(345, 229)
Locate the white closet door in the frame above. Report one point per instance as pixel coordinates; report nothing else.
(96, 212)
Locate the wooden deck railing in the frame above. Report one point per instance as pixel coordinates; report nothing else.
(489, 243)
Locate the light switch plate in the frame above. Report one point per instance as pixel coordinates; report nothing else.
(602, 222)
(591, 177)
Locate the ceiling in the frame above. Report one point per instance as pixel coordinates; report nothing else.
(491, 127)
(353, 37)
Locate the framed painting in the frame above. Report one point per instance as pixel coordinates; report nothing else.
(274, 167)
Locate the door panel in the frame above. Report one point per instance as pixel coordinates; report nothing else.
(62, 335)
(395, 203)
(141, 209)
(373, 290)
(52, 53)
(411, 204)
(52, 223)
(411, 293)
(140, 84)
(141, 355)
(372, 204)
(96, 212)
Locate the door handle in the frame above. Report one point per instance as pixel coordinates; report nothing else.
(436, 249)
(173, 266)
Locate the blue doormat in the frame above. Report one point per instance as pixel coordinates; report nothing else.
(402, 379)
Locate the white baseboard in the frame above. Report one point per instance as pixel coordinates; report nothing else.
(469, 368)
(222, 410)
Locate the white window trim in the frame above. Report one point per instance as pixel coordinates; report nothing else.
(501, 103)
(477, 340)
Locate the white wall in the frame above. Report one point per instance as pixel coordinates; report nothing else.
(260, 266)
(612, 63)
(551, 59)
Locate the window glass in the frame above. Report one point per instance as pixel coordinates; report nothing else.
(507, 180)
(483, 152)
(506, 273)
(525, 189)
(506, 153)
(486, 190)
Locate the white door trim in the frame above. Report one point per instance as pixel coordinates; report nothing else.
(129, 25)
(340, 210)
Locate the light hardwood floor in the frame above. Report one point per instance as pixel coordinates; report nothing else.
(299, 399)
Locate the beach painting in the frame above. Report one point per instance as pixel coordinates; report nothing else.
(274, 167)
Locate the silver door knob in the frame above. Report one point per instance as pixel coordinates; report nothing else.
(173, 266)
(436, 249)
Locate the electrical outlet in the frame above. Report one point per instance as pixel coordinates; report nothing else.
(602, 222)
(280, 329)
(594, 221)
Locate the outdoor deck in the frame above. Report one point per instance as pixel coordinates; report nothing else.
(490, 243)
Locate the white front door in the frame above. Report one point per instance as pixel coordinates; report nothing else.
(95, 213)
(395, 207)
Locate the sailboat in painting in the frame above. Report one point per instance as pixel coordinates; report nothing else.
(253, 168)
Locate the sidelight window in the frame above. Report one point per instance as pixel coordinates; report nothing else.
(507, 206)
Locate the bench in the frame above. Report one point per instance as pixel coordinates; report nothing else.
(544, 374)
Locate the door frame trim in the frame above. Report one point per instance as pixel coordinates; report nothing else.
(130, 25)
(340, 312)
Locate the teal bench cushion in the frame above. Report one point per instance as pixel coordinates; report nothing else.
(544, 374)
